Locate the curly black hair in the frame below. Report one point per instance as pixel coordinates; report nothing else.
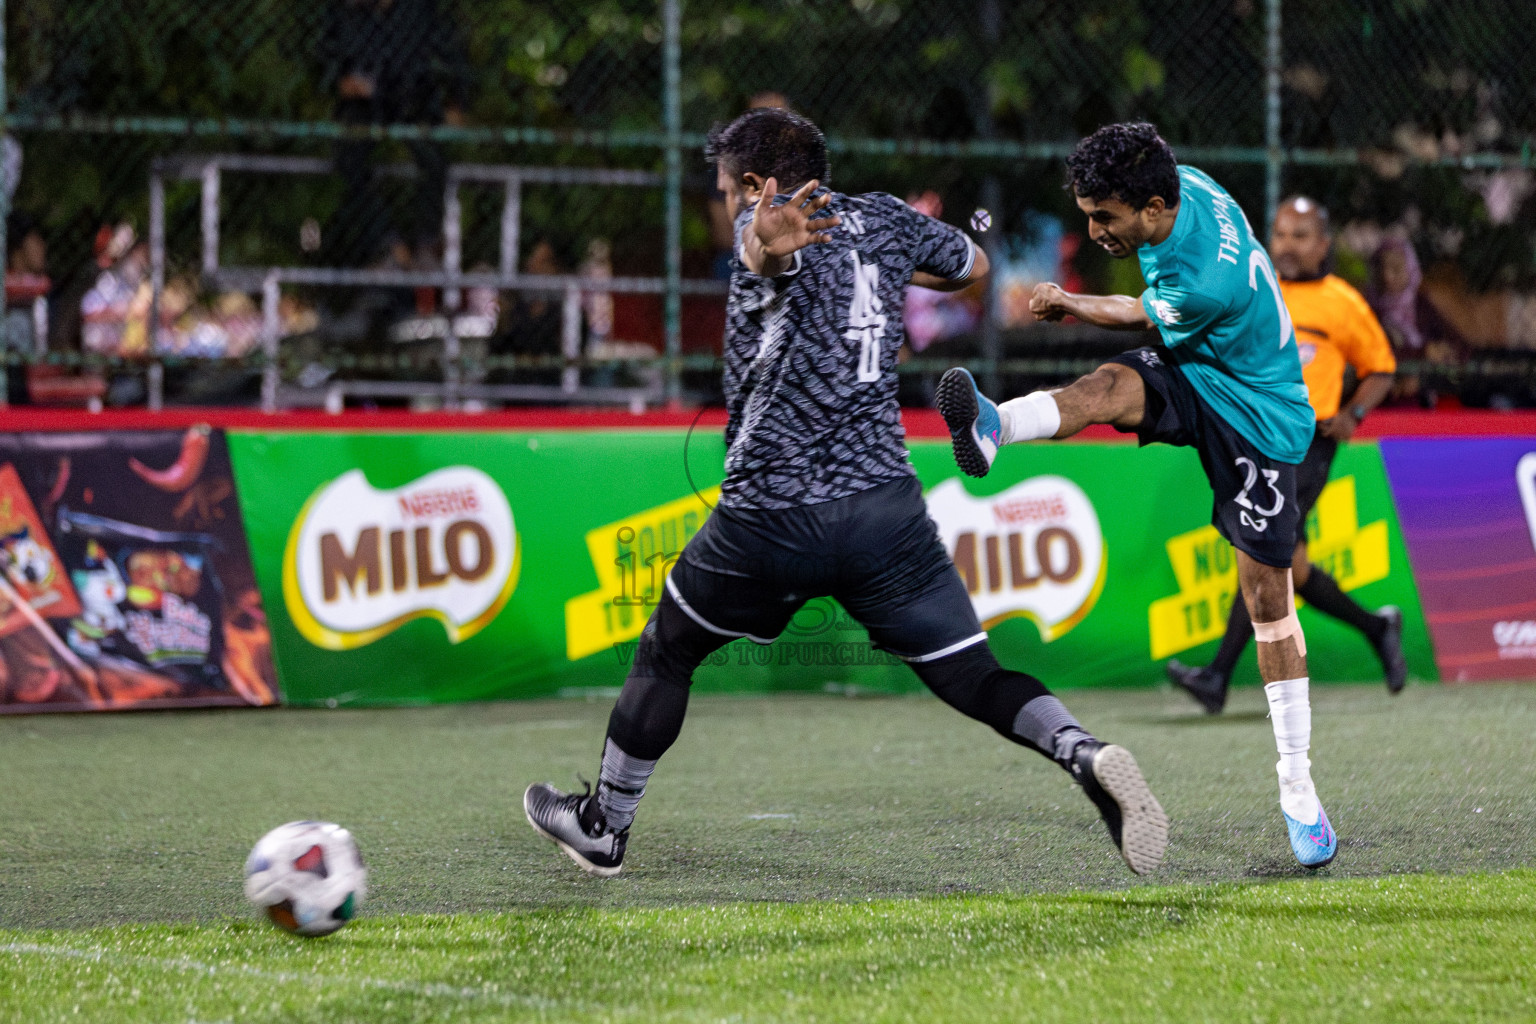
(772, 142)
(1128, 162)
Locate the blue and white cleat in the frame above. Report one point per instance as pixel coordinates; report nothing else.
(1315, 844)
(975, 429)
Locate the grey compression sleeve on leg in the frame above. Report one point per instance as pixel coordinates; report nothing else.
(1046, 723)
(621, 785)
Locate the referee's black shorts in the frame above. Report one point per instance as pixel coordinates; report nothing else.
(1312, 474)
(746, 572)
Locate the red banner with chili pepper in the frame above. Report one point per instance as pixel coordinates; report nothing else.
(125, 581)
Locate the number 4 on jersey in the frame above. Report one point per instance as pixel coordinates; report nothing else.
(866, 324)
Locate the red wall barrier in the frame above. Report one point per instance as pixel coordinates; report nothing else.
(920, 423)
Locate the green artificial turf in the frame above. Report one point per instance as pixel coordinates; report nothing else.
(1005, 896)
(1412, 948)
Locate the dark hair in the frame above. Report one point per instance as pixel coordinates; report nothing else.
(772, 142)
(1128, 162)
(17, 227)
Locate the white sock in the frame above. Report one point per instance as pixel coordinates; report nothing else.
(1030, 418)
(1290, 713)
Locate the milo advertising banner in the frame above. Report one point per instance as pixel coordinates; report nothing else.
(1092, 564)
(406, 568)
(442, 567)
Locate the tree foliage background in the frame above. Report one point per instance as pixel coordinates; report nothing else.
(1401, 85)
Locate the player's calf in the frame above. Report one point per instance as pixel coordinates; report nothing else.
(1282, 652)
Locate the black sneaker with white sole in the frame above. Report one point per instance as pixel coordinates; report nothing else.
(1136, 822)
(1390, 649)
(585, 838)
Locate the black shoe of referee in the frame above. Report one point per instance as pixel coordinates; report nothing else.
(1206, 685)
(1136, 822)
(1390, 649)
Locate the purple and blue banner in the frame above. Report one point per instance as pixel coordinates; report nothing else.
(1467, 507)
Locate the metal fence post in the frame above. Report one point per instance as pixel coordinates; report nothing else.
(1274, 159)
(671, 61)
(271, 331)
(992, 201)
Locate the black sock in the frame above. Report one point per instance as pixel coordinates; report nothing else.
(1235, 640)
(1322, 592)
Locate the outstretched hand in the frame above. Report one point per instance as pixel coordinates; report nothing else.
(783, 229)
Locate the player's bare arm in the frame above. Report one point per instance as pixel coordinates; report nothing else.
(1117, 312)
(778, 232)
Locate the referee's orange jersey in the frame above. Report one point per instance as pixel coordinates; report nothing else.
(1334, 326)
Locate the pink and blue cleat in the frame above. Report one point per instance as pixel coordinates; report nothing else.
(1314, 845)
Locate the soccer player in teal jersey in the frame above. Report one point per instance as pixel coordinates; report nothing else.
(1226, 381)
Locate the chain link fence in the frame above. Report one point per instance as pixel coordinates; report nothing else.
(447, 202)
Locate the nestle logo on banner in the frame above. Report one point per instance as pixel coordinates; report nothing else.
(1035, 550)
(1515, 639)
(361, 562)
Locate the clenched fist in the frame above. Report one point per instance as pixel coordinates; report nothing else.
(1048, 302)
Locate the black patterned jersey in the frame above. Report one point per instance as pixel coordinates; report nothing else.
(810, 355)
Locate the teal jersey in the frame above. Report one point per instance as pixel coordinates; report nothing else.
(1212, 293)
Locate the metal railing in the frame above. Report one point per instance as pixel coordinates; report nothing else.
(1231, 83)
(209, 170)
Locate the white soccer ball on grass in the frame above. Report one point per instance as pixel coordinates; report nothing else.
(307, 877)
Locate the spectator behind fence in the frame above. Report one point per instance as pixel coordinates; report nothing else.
(1394, 293)
(115, 312)
(391, 62)
(532, 323)
(26, 298)
(1420, 333)
(26, 286)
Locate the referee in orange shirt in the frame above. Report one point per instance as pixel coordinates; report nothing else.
(1334, 327)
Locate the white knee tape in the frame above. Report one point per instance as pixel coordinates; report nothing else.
(1270, 632)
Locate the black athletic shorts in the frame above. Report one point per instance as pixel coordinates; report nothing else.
(1255, 496)
(746, 573)
(1312, 474)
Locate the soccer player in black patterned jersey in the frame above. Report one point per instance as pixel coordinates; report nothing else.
(820, 498)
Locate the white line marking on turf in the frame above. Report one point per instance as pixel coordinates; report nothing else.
(183, 964)
(766, 817)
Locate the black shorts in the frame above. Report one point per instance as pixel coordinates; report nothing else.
(746, 573)
(1255, 496)
(1312, 474)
